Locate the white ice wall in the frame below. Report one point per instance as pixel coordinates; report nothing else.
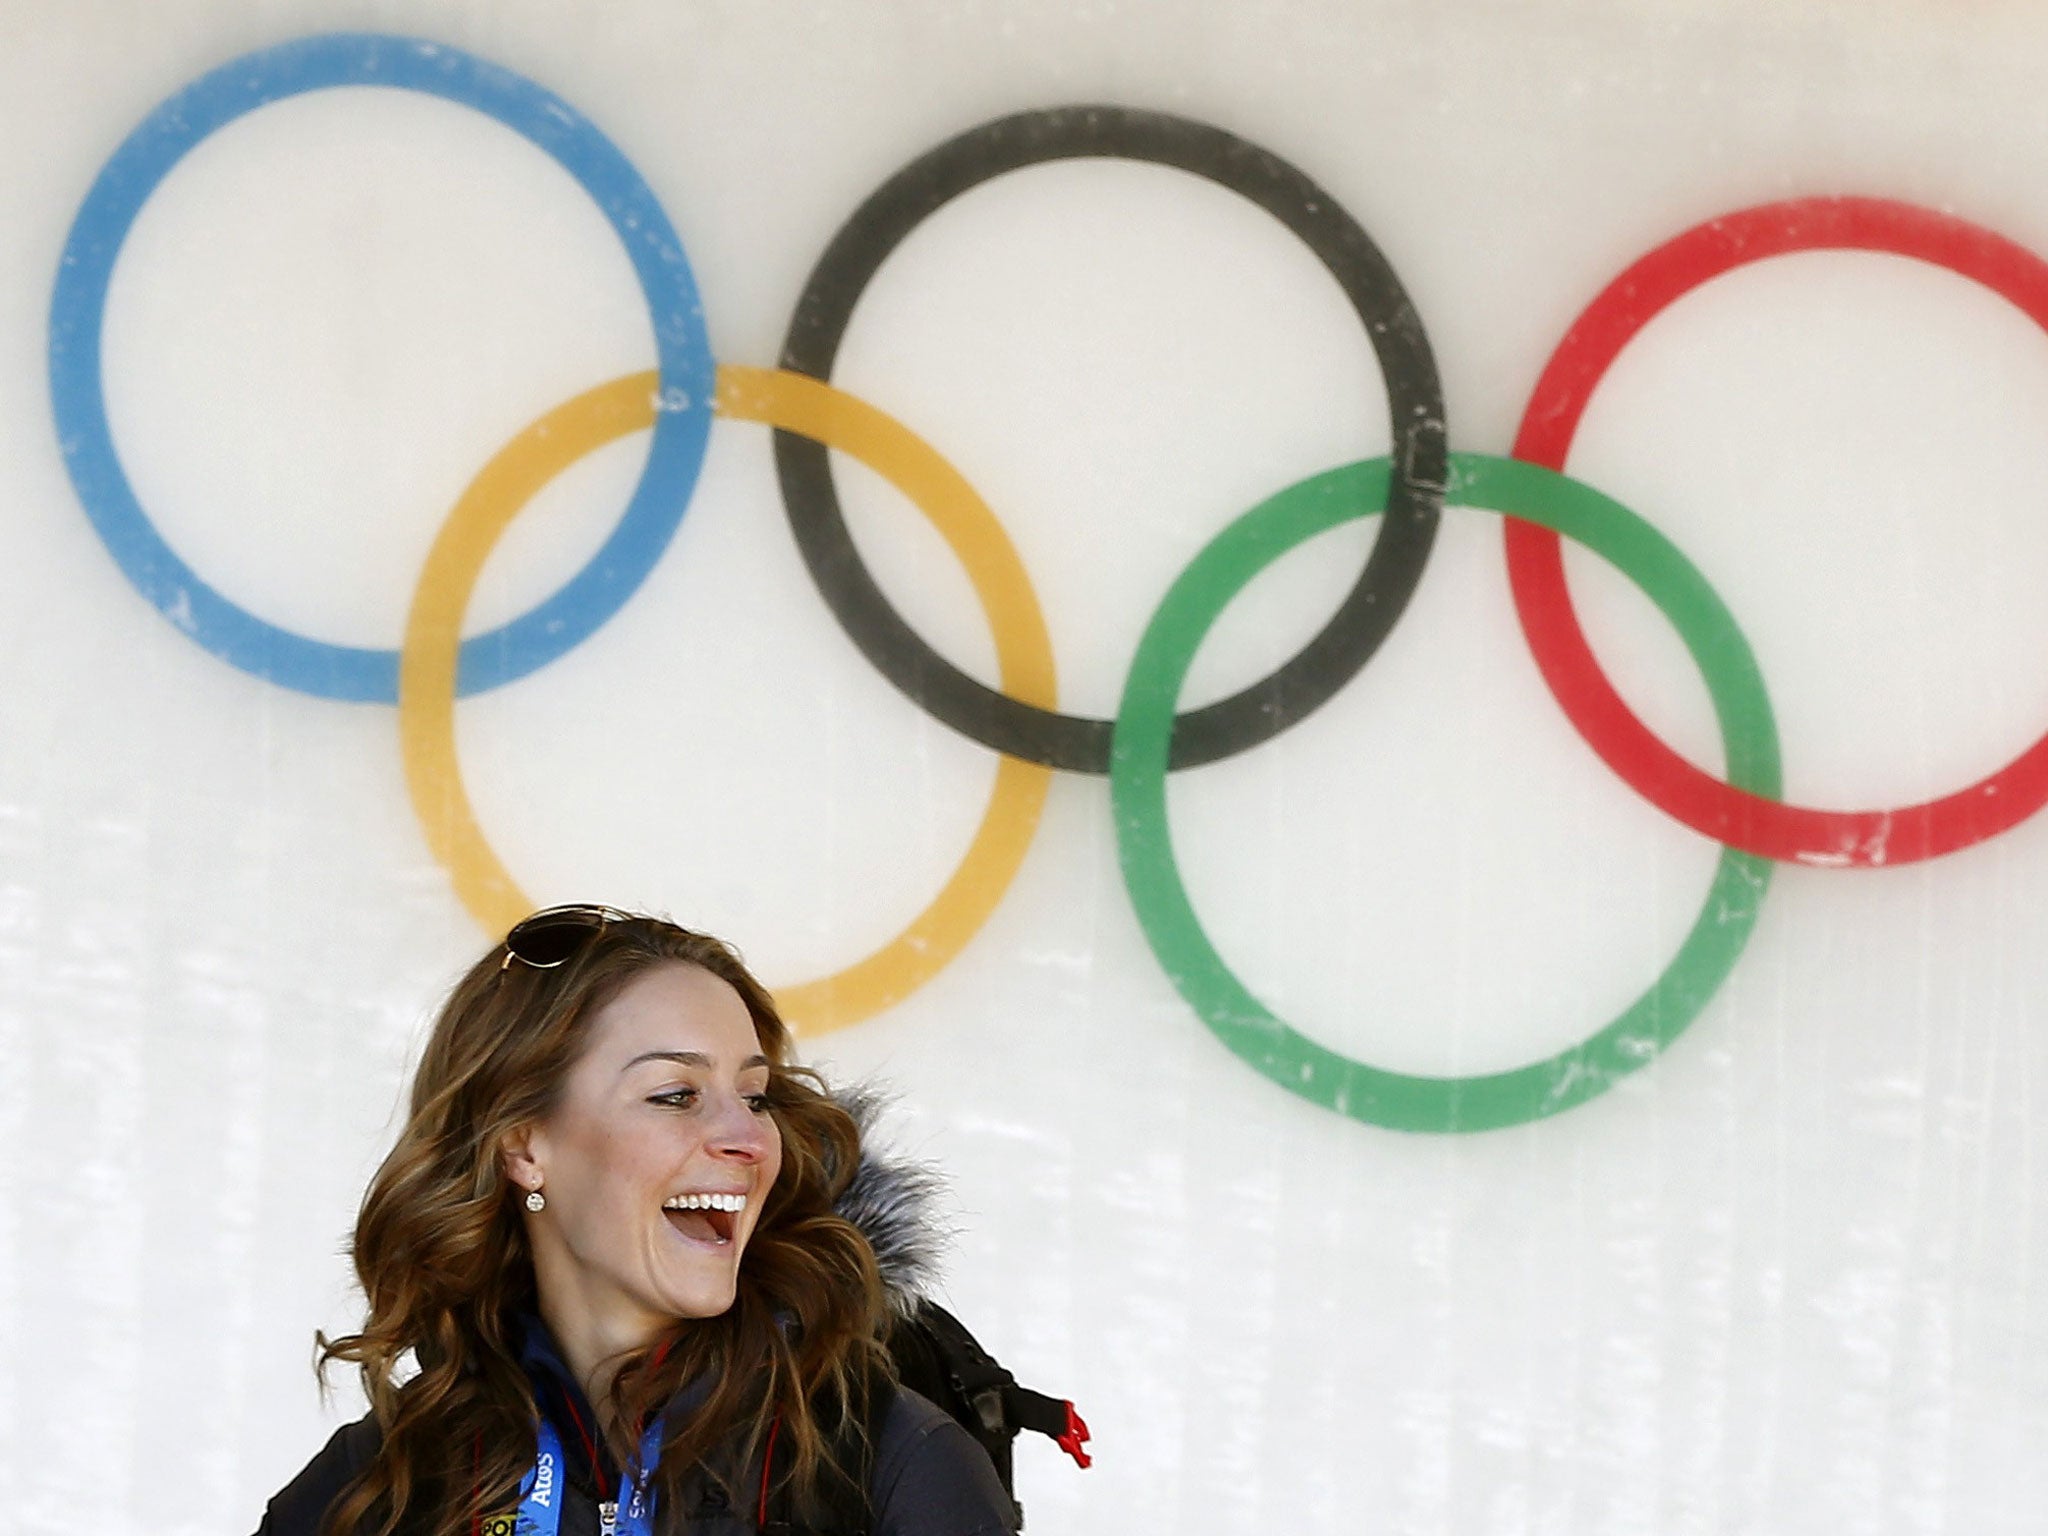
(1788, 1277)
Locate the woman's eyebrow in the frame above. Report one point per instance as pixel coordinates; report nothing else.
(689, 1059)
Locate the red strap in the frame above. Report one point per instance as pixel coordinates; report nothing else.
(589, 1445)
(1073, 1437)
(767, 1466)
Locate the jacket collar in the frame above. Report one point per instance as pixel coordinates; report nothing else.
(560, 1398)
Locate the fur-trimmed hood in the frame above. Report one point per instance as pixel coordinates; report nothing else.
(897, 1203)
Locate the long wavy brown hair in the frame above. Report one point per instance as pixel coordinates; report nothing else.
(441, 1253)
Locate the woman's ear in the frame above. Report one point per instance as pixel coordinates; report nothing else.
(521, 1155)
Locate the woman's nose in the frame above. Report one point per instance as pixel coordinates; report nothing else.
(741, 1134)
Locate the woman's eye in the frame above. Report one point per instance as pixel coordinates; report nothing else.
(675, 1098)
(758, 1103)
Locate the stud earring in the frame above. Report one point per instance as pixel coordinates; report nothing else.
(536, 1201)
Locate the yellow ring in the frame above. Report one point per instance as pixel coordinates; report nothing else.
(795, 403)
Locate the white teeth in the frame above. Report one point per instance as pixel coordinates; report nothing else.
(734, 1203)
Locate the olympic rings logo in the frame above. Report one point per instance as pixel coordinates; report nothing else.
(1020, 720)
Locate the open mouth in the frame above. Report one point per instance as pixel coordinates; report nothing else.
(706, 1219)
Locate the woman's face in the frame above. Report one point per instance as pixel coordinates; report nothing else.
(655, 1162)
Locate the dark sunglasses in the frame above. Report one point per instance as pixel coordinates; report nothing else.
(554, 935)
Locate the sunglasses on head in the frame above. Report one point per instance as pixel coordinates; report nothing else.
(554, 935)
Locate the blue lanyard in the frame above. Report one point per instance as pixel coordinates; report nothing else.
(540, 1491)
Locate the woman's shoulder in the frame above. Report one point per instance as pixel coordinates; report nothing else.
(298, 1507)
(930, 1477)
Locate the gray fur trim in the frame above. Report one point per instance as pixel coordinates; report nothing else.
(897, 1204)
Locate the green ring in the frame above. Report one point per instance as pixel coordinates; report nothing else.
(1398, 1100)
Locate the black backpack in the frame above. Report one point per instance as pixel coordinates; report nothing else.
(938, 1358)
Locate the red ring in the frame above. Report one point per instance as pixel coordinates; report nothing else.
(1703, 802)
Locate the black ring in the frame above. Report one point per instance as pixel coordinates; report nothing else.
(1414, 397)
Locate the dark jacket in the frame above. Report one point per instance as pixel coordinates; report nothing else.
(929, 1478)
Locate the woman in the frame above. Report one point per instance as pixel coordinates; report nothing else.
(605, 1247)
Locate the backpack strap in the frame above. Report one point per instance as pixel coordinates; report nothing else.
(936, 1355)
(1054, 1417)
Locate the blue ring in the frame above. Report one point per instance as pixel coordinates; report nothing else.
(77, 396)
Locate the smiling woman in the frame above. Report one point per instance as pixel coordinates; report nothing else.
(605, 1276)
